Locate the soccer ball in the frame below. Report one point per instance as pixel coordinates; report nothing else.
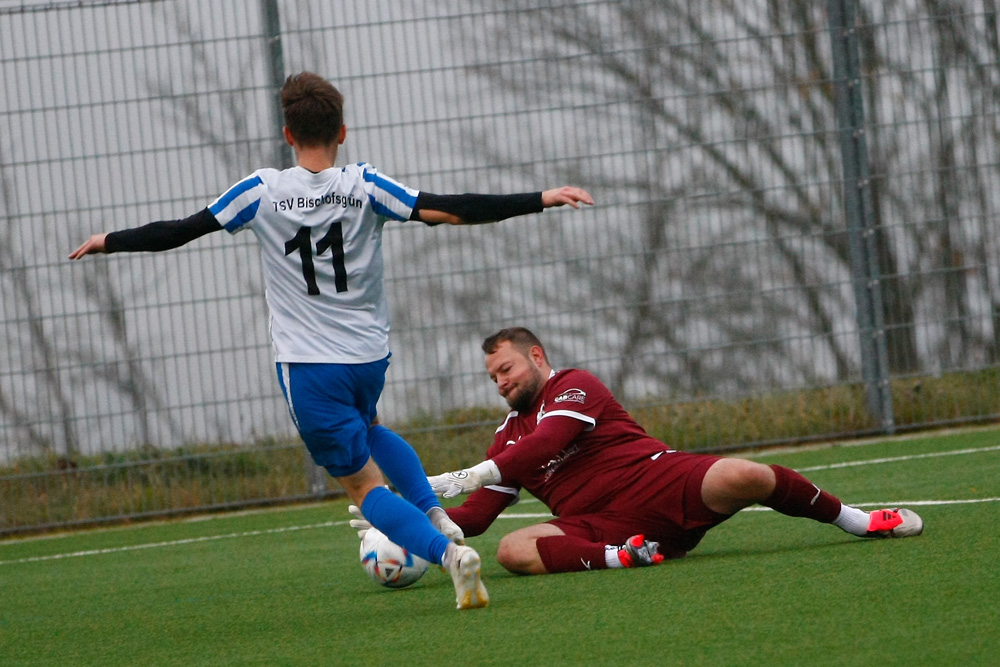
(389, 564)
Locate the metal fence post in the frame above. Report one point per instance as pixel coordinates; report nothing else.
(271, 19)
(858, 211)
(276, 72)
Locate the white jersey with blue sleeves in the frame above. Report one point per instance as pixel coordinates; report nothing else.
(321, 245)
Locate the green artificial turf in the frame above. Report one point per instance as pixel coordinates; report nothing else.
(284, 587)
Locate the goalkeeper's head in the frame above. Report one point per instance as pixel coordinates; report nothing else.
(520, 338)
(516, 361)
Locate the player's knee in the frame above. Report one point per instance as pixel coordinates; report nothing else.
(752, 480)
(507, 554)
(732, 484)
(514, 555)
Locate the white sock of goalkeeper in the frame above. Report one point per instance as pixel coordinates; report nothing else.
(611, 556)
(853, 520)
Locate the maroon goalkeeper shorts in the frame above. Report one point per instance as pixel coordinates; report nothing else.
(665, 506)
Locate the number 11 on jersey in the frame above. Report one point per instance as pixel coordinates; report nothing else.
(333, 240)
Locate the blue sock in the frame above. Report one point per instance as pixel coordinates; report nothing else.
(402, 466)
(404, 524)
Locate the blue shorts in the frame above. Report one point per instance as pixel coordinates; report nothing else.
(333, 406)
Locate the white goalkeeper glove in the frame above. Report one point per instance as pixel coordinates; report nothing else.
(359, 522)
(451, 484)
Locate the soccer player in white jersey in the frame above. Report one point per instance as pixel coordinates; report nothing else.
(320, 231)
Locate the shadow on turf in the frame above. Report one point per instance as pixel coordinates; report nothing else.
(771, 550)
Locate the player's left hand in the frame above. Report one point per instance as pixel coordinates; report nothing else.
(95, 244)
(359, 522)
(566, 195)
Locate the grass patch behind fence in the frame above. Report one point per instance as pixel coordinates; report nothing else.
(45, 492)
(51, 491)
(812, 414)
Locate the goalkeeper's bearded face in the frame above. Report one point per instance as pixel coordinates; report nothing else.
(519, 376)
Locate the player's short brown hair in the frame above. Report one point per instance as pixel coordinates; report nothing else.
(522, 340)
(313, 108)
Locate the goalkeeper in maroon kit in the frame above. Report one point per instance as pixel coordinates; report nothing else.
(620, 497)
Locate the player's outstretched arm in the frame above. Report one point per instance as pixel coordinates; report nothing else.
(473, 209)
(154, 237)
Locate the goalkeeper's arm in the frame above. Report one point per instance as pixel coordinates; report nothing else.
(481, 508)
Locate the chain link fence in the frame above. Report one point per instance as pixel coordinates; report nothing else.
(796, 231)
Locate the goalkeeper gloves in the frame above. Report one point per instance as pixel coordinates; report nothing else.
(359, 522)
(451, 484)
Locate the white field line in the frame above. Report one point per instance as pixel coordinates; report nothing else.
(521, 515)
(214, 538)
(896, 459)
(172, 543)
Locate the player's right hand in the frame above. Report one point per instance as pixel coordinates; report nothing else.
(95, 244)
(451, 484)
(359, 522)
(566, 195)
(458, 482)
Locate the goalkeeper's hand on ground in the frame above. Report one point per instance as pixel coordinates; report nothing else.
(359, 522)
(451, 484)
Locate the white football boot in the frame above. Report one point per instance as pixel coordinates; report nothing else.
(464, 565)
